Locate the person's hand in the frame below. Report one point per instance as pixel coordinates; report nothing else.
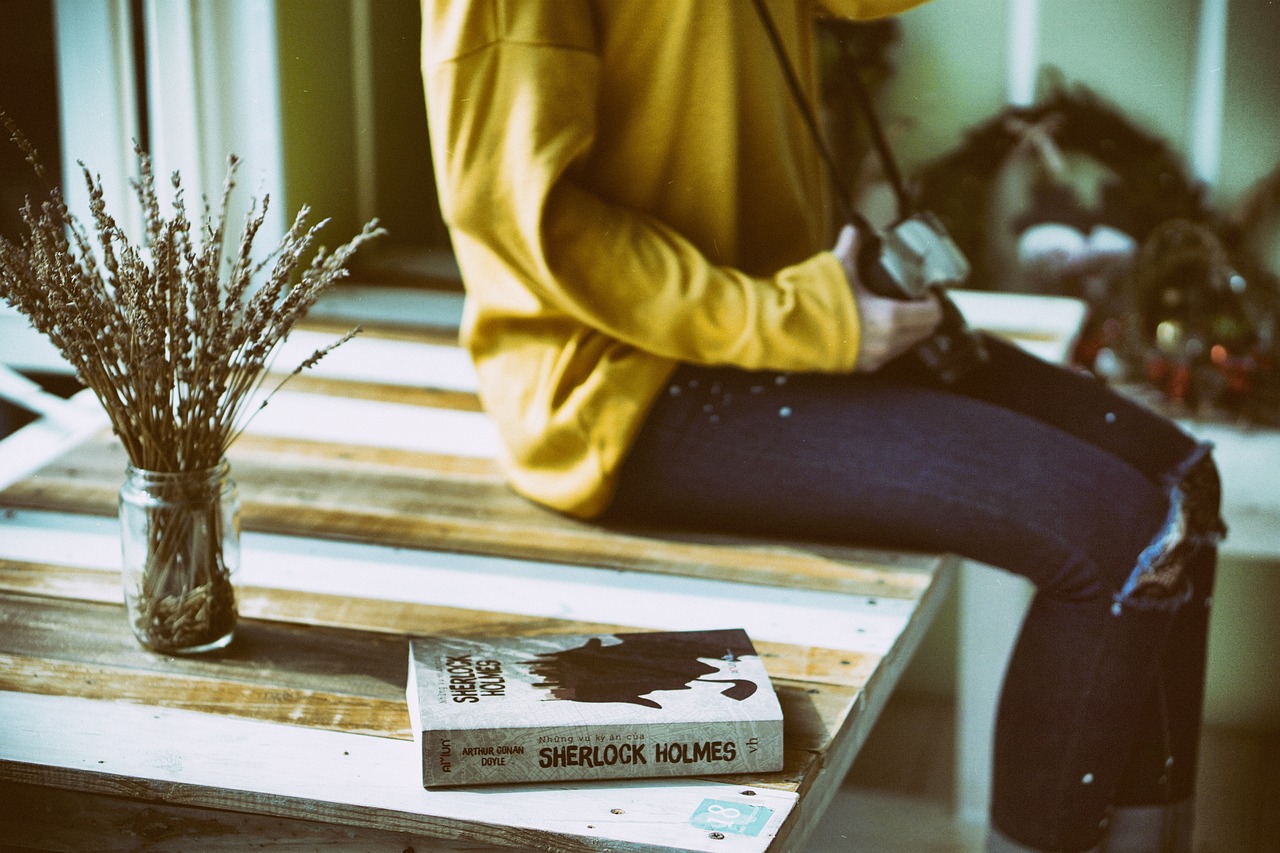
(890, 327)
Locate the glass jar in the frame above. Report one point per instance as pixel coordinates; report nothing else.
(180, 544)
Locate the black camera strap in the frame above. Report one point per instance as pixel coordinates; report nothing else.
(953, 349)
(844, 197)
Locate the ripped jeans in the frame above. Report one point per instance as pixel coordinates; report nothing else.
(1025, 466)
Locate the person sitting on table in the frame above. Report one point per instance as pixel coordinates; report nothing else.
(664, 333)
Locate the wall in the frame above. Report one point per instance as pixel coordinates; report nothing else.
(28, 95)
(1139, 54)
(1243, 689)
(1251, 137)
(950, 74)
(354, 125)
(316, 98)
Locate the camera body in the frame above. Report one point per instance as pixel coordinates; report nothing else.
(911, 260)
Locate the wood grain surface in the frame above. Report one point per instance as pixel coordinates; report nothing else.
(437, 501)
(385, 518)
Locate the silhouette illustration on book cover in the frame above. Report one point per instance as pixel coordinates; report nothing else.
(640, 664)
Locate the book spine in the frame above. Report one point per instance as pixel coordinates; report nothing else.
(562, 753)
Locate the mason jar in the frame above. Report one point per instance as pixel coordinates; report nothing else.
(180, 544)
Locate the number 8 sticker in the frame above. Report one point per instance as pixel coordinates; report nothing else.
(724, 816)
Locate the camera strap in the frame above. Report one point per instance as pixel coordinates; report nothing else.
(844, 197)
(952, 350)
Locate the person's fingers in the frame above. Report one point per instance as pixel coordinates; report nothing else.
(891, 327)
(924, 314)
(846, 249)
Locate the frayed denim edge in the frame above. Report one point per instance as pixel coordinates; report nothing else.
(1174, 482)
(1174, 478)
(1171, 538)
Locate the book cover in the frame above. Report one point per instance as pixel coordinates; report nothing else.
(591, 706)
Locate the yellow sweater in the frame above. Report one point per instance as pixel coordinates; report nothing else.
(627, 186)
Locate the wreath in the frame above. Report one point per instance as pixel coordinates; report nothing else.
(1180, 301)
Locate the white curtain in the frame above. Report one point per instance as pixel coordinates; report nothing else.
(211, 91)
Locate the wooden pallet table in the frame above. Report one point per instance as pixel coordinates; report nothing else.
(373, 511)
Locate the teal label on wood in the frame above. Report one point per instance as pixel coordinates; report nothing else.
(725, 816)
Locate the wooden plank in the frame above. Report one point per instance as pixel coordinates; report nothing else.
(810, 720)
(283, 671)
(812, 713)
(185, 758)
(294, 658)
(329, 679)
(783, 660)
(469, 510)
(270, 703)
(439, 504)
(287, 451)
(801, 617)
(293, 687)
(416, 335)
(37, 817)
(377, 423)
(303, 674)
(419, 361)
(435, 398)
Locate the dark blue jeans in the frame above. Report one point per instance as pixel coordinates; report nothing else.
(1025, 466)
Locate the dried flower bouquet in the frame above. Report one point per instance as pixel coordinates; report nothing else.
(176, 338)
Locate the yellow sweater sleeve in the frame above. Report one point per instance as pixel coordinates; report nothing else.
(515, 106)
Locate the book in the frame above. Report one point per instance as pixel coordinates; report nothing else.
(501, 710)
